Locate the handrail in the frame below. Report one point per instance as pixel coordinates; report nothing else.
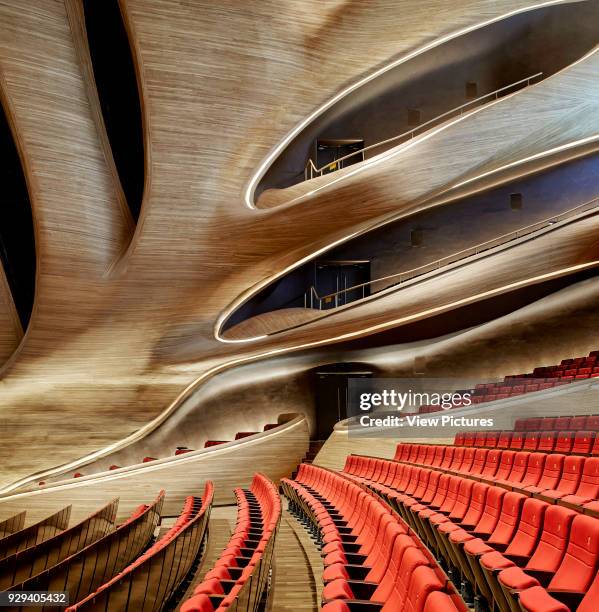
(310, 170)
(457, 256)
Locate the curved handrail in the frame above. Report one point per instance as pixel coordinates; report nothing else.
(310, 170)
(457, 256)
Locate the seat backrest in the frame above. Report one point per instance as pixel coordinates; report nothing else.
(578, 423)
(519, 466)
(404, 561)
(583, 441)
(508, 518)
(579, 565)
(492, 462)
(505, 437)
(564, 441)
(547, 441)
(554, 539)
(534, 469)
(531, 441)
(463, 499)
(480, 458)
(442, 602)
(571, 474)
(423, 582)
(589, 603)
(547, 424)
(552, 471)
(491, 510)
(506, 463)
(517, 440)
(477, 503)
(588, 486)
(491, 439)
(529, 527)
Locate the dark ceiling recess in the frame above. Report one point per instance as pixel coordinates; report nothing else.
(17, 241)
(116, 83)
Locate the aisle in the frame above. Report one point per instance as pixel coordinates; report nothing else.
(297, 569)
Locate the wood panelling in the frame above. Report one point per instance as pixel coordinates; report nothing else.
(275, 454)
(122, 325)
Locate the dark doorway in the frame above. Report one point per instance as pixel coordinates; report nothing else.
(331, 394)
(333, 281)
(331, 153)
(17, 242)
(116, 82)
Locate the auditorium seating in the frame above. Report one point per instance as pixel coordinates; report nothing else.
(149, 581)
(12, 524)
(181, 450)
(497, 540)
(32, 535)
(372, 559)
(90, 567)
(21, 565)
(238, 579)
(570, 370)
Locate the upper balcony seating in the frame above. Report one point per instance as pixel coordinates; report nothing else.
(238, 578)
(539, 379)
(181, 450)
(148, 582)
(21, 565)
(83, 572)
(21, 538)
(372, 562)
(499, 540)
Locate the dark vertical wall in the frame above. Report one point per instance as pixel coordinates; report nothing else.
(17, 241)
(114, 73)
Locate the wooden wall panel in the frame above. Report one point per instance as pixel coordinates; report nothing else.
(275, 455)
(121, 327)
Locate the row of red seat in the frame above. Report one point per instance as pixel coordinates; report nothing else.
(128, 590)
(566, 479)
(238, 577)
(82, 572)
(541, 378)
(502, 543)
(569, 442)
(561, 423)
(181, 450)
(371, 558)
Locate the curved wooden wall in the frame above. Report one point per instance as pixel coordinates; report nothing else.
(233, 465)
(123, 323)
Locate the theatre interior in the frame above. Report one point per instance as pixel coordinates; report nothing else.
(299, 305)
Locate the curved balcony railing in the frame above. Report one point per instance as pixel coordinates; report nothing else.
(340, 298)
(311, 171)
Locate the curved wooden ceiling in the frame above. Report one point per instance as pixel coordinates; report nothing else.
(124, 319)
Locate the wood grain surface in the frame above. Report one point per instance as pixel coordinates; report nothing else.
(124, 320)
